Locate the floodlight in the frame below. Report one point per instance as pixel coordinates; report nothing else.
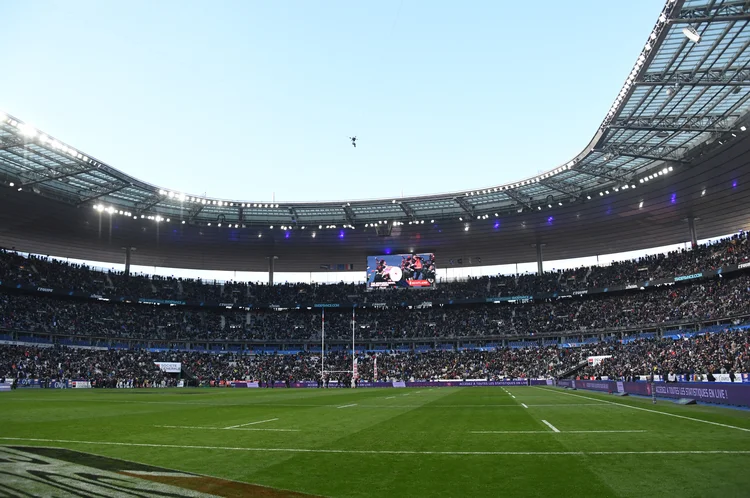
(691, 34)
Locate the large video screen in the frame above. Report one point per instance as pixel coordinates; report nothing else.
(401, 270)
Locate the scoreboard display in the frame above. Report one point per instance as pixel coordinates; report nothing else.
(401, 270)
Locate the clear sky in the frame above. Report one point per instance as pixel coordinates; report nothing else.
(244, 99)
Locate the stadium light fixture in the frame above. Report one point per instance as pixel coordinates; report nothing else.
(743, 128)
(691, 34)
(640, 205)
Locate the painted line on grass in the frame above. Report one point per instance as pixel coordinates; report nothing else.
(554, 429)
(381, 452)
(570, 404)
(310, 405)
(649, 410)
(548, 432)
(524, 405)
(224, 428)
(251, 423)
(347, 406)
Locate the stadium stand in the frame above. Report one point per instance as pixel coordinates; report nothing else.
(687, 328)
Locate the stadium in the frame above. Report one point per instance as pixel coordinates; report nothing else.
(423, 372)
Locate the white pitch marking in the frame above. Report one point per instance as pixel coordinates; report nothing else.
(390, 397)
(251, 423)
(159, 474)
(383, 452)
(555, 429)
(548, 432)
(225, 428)
(347, 406)
(524, 405)
(512, 396)
(651, 411)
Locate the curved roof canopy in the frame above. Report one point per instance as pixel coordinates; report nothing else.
(688, 90)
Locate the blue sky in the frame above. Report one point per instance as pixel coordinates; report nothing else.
(249, 99)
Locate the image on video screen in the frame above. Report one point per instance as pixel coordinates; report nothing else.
(401, 270)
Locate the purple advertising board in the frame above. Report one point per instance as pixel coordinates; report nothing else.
(305, 384)
(708, 392)
(476, 383)
(36, 383)
(457, 383)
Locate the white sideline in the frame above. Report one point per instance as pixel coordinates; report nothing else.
(548, 432)
(390, 397)
(224, 428)
(383, 452)
(554, 429)
(522, 404)
(251, 423)
(648, 410)
(347, 406)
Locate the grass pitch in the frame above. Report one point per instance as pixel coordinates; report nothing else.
(521, 441)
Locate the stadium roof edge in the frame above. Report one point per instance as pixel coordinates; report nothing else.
(680, 98)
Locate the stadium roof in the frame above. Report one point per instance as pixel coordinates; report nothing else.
(681, 100)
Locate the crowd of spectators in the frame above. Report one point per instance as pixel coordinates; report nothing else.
(688, 304)
(722, 352)
(52, 273)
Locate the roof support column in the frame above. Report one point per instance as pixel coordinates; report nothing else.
(693, 234)
(271, 261)
(128, 254)
(539, 258)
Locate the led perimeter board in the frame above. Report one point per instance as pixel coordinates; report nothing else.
(401, 270)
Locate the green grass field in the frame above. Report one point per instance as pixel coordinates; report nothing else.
(520, 441)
